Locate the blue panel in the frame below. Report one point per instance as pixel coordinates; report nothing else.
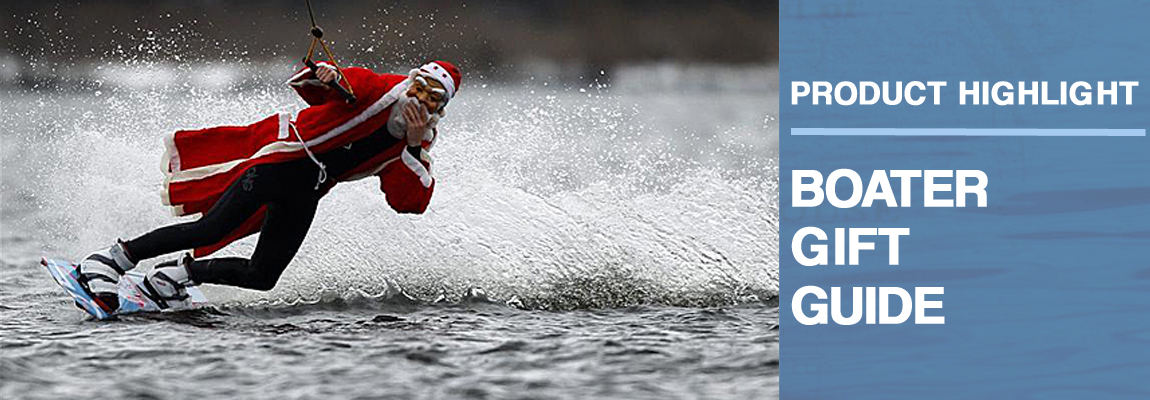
(1047, 289)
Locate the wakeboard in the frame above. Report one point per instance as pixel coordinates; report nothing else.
(133, 298)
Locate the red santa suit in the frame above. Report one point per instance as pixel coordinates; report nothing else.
(201, 164)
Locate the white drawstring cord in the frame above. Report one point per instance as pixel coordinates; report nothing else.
(322, 168)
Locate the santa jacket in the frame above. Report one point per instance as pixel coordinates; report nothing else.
(201, 164)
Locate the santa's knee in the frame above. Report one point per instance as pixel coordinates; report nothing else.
(263, 280)
(263, 284)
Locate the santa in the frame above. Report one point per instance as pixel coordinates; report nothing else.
(268, 177)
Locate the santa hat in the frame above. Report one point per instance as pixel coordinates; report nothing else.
(443, 72)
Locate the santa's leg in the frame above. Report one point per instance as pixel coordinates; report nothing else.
(239, 202)
(285, 227)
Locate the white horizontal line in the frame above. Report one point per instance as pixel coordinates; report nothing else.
(962, 132)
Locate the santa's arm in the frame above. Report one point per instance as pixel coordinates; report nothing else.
(311, 89)
(407, 183)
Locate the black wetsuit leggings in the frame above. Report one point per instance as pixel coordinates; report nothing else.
(288, 191)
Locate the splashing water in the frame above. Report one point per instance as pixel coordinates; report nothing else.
(650, 185)
(558, 198)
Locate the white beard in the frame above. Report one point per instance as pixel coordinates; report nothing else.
(397, 124)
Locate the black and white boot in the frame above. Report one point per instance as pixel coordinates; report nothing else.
(100, 274)
(167, 283)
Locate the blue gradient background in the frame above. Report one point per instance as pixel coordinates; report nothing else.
(1048, 288)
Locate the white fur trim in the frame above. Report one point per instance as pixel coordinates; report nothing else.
(416, 167)
(170, 162)
(164, 197)
(425, 156)
(284, 121)
(298, 75)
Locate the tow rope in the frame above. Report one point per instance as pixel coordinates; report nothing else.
(348, 93)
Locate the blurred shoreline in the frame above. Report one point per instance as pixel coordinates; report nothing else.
(54, 45)
(667, 77)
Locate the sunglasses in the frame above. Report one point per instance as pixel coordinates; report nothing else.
(436, 94)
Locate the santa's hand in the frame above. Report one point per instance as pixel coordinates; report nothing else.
(418, 121)
(326, 73)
